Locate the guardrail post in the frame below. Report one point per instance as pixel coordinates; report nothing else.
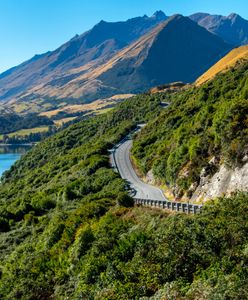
(174, 206)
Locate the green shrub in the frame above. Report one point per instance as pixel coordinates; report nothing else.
(125, 200)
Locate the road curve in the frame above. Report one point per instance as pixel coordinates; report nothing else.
(120, 160)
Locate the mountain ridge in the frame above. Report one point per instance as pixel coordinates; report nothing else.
(78, 71)
(232, 28)
(135, 68)
(97, 44)
(165, 43)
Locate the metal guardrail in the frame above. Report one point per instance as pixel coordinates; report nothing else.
(188, 208)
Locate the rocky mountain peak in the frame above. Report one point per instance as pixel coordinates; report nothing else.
(159, 15)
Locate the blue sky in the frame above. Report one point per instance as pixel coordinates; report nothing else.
(31, 27)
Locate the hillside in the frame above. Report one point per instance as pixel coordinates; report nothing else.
(233, 28)
(229, 61)
(67, 225)
(83, 52)
(198, 146)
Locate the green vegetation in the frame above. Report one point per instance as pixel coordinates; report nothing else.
(25, 132)
(60, 186)
(201, 123)
(26, 136)
(18, 129)
(68, 229)
(12, 122)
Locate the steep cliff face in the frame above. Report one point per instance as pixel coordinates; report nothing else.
(224, 182)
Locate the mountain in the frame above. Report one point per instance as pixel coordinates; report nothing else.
(233, 28)
(230, 60)
(58, 67)
(175, 50)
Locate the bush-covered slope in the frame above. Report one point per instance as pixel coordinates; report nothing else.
(136, 253)
(201, 123)
(64, 180)
(63, 236)
(60, 166)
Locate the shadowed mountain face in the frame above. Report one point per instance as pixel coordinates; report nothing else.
(233, 29)
(178, 50)
(58, 67)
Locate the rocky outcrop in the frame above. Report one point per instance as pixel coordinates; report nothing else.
(215, 181)
(224, 182)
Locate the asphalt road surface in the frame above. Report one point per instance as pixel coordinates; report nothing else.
(120, 160)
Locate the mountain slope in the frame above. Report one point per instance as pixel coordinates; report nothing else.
(177, 50)
(233, 28)
(230, 60)
(60, 66)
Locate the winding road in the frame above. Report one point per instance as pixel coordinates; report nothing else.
(120, 160)
(143, 193)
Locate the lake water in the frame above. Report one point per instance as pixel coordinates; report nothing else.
(9, 155)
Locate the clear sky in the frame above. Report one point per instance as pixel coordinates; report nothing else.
(30, 27)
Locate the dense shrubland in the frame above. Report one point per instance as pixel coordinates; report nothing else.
(68, 228)
(63, 184)
(201, 123)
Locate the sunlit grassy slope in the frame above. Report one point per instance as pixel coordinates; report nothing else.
(229, 61)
